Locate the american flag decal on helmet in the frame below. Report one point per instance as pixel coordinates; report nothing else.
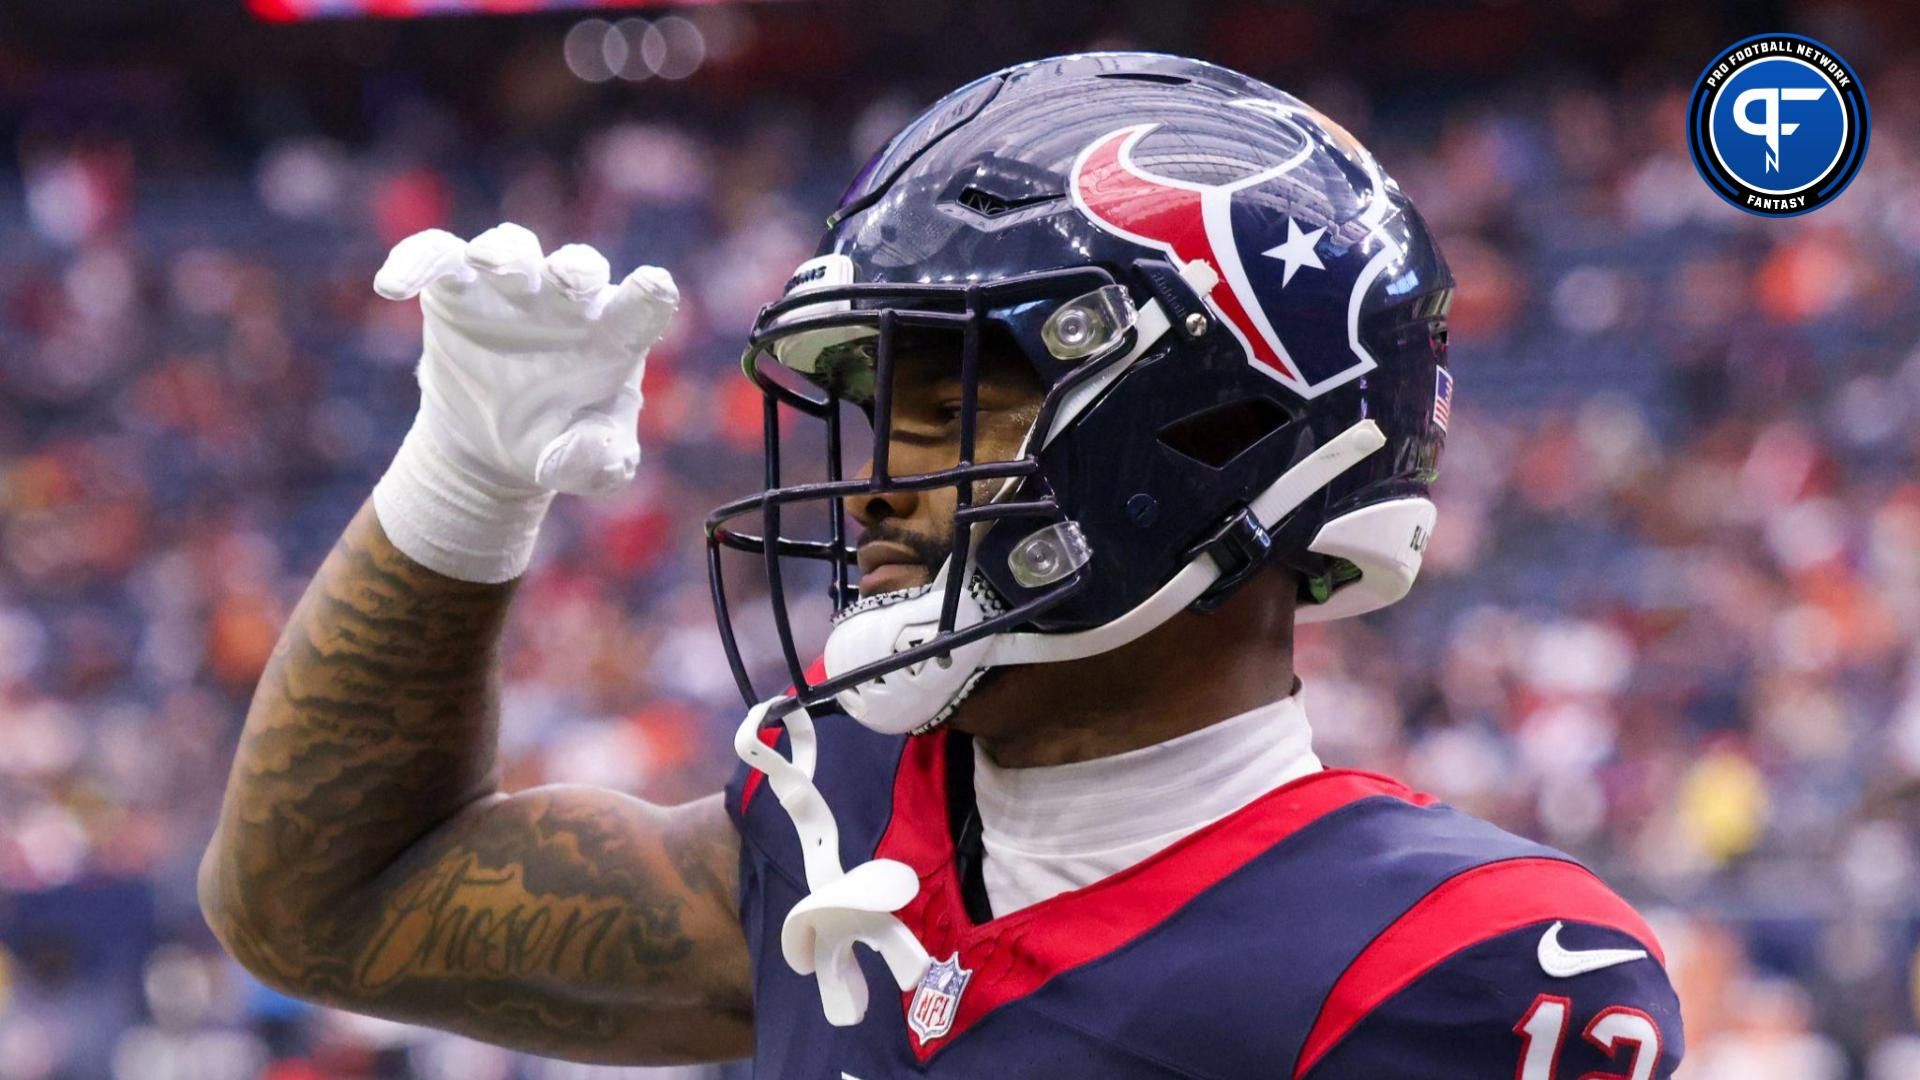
(1442, 397)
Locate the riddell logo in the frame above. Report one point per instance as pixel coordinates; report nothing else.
(805, 277)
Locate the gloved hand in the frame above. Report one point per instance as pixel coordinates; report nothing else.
(529, 385)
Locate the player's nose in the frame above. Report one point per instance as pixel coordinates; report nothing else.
(873, 507)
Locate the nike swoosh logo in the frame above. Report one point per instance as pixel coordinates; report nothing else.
(1564, 963)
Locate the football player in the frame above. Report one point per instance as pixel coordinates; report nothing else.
(1154, 362)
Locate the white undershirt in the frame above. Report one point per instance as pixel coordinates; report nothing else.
(1054, 828)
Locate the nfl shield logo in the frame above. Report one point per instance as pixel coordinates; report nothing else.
(937, 999)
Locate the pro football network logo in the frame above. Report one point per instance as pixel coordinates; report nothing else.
(1778, 125)
(937, 1000)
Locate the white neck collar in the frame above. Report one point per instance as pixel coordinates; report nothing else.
(1156, 793)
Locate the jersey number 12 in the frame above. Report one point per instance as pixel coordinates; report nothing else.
(1543, 1032)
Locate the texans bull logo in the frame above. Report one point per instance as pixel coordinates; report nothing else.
(1293, 280)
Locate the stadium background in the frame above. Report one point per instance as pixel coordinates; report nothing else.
(1670, 620)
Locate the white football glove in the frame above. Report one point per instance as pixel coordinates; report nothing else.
(529, 385)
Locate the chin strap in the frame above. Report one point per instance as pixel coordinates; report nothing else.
(1294, 487)
(843, 906)
(913, 698)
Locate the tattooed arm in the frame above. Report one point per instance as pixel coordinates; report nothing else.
(365, 858)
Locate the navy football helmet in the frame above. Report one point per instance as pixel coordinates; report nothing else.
(1240, 324)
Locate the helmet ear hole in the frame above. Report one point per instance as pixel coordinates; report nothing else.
(1214, 437)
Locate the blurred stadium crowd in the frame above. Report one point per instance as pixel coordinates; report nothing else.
(1670, 621)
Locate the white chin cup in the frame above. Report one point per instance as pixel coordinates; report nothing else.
(1386, 541)
(913, 697)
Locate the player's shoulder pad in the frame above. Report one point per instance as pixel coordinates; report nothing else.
(1528, 967)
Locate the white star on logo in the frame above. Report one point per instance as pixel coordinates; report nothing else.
(1297, 251)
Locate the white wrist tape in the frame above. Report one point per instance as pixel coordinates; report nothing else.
(452, 522)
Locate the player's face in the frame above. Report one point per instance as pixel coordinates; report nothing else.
(906, 535)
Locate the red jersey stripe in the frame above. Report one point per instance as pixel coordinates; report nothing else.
(1475, 906)
(1016, 954)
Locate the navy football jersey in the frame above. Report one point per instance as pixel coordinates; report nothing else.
(1341, 927)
